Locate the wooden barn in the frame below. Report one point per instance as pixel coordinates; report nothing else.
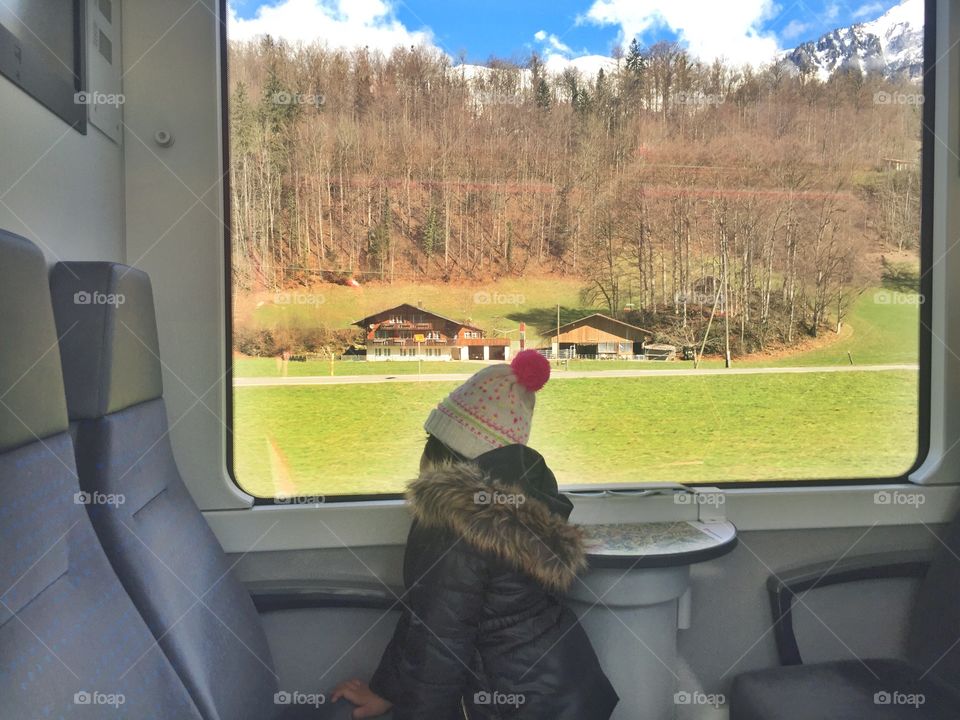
(408, 332)
(597, 336)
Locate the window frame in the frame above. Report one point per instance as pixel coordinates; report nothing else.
(927, 175)
(43, 84)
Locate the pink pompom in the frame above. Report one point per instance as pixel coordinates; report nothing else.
(531, 369)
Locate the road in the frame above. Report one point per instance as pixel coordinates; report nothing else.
(564, 375)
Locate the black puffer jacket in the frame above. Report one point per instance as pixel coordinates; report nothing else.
(485, 633)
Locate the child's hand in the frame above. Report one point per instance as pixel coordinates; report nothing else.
(369, 704)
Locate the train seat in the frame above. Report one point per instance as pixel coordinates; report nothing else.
(921, 686)
(161, 546)
(72, 643)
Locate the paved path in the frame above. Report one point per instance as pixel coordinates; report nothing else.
(565, 375)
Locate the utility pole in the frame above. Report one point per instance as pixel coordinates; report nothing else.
(726, 325)
(699, 357)
(725, 285)
(558, 331)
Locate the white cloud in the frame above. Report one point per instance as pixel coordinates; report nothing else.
(709, 28)
(869, 10)
(831, 12)
(795, 29)
(554, 44)
(337, 23)
(558, 56)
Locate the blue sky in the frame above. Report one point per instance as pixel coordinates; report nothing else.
(740, 30)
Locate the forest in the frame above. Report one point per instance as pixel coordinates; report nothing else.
(675, 191)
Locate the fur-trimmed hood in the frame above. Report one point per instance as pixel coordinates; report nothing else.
(519, 519)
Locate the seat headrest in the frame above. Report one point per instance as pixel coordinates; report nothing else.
(111, 360)
(31, 384)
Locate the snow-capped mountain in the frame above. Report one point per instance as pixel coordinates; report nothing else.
(588, 66)
(892, 45)
(492, 88)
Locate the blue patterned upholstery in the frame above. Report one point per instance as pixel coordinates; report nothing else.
(72, 644)
(158, 541)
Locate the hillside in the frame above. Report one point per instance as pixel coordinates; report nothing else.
(650, 186)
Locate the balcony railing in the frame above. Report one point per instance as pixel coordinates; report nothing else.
(449, 342)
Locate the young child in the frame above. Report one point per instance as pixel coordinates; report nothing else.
(484, 631)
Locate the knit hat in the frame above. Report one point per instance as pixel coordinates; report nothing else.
(493, 408)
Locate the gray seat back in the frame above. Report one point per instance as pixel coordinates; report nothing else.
(159, 543)
(72, 644)
(934, 640)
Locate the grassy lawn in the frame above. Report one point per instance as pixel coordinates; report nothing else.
(875, 333)
(272, 367)
(495, 306)
(367, 438)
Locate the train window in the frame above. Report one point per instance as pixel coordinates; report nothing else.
(710, 222)
(41, 46)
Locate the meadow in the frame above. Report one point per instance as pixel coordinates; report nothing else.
(875, 332)
(367, 438)
(361, 439)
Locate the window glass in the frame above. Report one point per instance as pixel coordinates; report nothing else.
(709, 222)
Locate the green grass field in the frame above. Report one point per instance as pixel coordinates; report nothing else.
(875, 333)
(495, 306)
(351, 439)
(273, 367)
(367, 438)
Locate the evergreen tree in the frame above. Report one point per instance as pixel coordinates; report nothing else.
(379, 238)
(278, 108)
(242, 121)
(544, 100)
(432, 233)
(636, 60)
(635, 81)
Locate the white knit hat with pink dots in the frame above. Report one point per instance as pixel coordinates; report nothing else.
(493, 408)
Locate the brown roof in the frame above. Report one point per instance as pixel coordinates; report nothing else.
(586, 321)
(365, 322)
